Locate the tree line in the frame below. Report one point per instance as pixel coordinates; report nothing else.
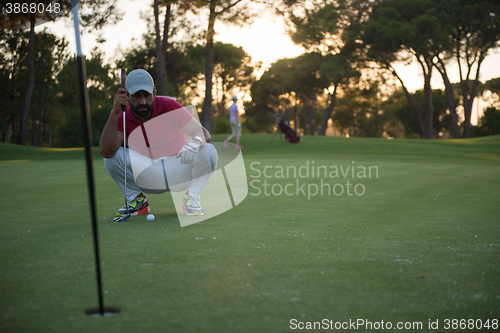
(346, 79)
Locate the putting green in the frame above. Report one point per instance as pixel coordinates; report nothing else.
(421, 243)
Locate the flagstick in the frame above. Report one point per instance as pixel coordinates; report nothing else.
(88, 144)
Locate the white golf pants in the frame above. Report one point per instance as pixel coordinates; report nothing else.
(162, 174)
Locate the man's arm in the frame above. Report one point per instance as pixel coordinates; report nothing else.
(206, 134)
(189, 152)
(111, 139)
(193, 128)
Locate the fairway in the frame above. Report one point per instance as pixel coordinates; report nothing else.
(413, 238)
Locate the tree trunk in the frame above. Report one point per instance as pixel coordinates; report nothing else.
(327, 114)
(311, 115)
(467, 117)
(423, 115)
(37, 130)
(209, 58)
(222, 108)
(160, 59)
(31, 82)
(166, 29)
(40, 130)
(468, 95)
(450, 98)
(295, 118)
(287, 110)
(33, 133)
(43, 135)
(306, 106)
(428, 128)
(209, 69)
(411, 100)
(50, 136)
(170, 58)
(14, 130)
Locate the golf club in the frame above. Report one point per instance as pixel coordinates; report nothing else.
(127, 216)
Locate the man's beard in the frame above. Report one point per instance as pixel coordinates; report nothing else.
(142, 113)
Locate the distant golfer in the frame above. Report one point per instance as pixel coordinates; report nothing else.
(234, 119)
(156, 129)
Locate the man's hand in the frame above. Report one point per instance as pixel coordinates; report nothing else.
(189, 151)
(121, 101)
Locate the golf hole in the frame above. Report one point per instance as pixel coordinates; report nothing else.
(107, 311)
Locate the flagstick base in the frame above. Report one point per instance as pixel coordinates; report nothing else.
(107, 311)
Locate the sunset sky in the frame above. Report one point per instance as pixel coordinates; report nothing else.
(265, 40)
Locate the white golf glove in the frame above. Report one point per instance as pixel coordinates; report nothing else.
(189, 151)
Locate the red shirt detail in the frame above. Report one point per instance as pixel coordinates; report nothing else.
(161, 135)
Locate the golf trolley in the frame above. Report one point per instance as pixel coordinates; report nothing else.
(284, 127)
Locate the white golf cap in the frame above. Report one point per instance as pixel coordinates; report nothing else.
(138, 80)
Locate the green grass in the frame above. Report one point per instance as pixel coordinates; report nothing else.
(422, 243)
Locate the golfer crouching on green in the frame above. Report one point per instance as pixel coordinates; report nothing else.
(160, 158)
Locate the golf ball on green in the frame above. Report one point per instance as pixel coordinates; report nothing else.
(151, 217)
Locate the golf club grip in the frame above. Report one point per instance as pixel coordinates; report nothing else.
(123, 79)
(123, 76)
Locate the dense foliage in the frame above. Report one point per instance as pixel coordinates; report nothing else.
(345, 82)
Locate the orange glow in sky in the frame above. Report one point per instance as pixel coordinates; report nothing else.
(264, 40)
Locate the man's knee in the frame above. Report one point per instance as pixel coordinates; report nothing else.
(208, 154)
(115, 161)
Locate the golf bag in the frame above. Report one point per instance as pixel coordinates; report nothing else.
(290, 135)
